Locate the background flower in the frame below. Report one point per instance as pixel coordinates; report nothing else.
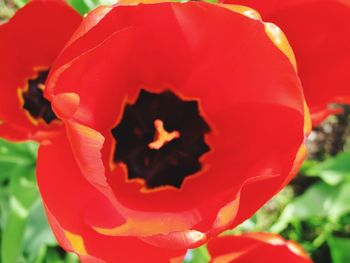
(255, 247)
(318, 33)
(29, 43)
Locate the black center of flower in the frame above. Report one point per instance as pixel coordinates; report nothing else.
(160, 138)
(34, 100)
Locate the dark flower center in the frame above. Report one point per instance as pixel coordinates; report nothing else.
(160, 138)
(34, 101)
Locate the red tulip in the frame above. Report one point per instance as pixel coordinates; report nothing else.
(29, 43)
(184, 119)
(318, 31)
(257, 248)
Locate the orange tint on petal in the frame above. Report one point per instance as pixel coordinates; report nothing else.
(273, 31)
(255, 248)
(275, 239)
(243, 10)
(227, 214)
(228, 257)
(302, 152)
(281, 41)
(57, 230)
(299, 159)
(146, 226)
(297, 249)
(177, 259)
(185, 239)
(66, 104)
(307, 120)
(77, 243)
(91, 142)
(270, 238)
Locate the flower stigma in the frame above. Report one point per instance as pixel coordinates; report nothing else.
(162, 136)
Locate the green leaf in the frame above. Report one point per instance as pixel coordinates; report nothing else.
(17, 165)
(20, 3)
(85, 6)
(333, 170)
(12, 238)
(339, 248)
(53, 256)
(16, 158)
(71, 258)
(13, 233)
(199, 255)
(41, 255)
(38, 234)
(24, 193)
(320, 200)
(80, 6)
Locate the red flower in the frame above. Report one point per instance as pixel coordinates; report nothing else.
(184, 119)
(29, 43)
(257, 248)
(318, 32)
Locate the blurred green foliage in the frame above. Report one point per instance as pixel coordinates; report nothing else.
(7, 7)
(25, 234)
(84, 6)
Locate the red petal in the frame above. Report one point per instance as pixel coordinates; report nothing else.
(257, 248)
(67, 196)
(320, 39)
(30, 41)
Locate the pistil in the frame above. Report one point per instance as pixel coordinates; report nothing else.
(162, 137)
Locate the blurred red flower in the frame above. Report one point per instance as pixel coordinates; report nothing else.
(183, 119)
(29, 43)
(318, 31)
(257, 248)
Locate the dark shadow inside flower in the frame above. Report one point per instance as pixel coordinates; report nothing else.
(160, 138)
(34, 102)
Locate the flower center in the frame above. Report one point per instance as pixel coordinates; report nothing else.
(34, 101)
(160, 139)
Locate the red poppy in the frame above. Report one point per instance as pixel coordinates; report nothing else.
(29, 43)
(257, 248)
(185, 118)
(318, 31)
